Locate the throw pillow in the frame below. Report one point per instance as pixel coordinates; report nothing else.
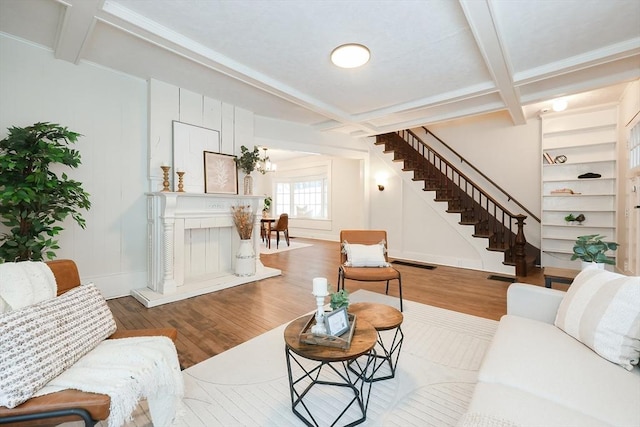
(601, 309)
(39, 342)
(365, 255)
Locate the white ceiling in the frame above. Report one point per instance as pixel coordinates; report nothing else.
(431, 60)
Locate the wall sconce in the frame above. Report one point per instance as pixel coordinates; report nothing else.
(560, 105)
(381, 180)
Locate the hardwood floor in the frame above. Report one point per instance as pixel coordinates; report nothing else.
(212, 323)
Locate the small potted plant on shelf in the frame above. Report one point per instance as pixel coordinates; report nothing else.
(591, 250)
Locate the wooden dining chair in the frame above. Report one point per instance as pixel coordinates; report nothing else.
(371, 264)
(281, 225)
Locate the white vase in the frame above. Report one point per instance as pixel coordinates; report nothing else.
(245, 259)
(248, 185)
(586, 265)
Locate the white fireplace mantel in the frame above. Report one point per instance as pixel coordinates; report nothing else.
(192, 244)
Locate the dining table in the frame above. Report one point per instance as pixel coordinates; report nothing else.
(265, 229)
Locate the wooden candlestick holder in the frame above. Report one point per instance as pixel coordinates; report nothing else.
(165, 178)
(180, 182)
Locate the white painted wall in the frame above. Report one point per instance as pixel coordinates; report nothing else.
(509, 155)
(110, 110)
(127, 128)
(420, 229)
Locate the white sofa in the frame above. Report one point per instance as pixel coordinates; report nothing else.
(535, 374)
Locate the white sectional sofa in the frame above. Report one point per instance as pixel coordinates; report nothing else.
(536, 374)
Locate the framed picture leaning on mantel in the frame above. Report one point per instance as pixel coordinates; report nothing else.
(220, 174)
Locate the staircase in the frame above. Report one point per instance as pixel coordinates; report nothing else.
(490, 220)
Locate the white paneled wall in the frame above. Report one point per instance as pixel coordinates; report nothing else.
(110, 110)
(168, 103)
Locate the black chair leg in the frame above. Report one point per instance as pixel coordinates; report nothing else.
(400, 290)
(387, 289)
(340, 284)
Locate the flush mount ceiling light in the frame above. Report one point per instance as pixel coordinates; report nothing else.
(560, 105)
(350, 55)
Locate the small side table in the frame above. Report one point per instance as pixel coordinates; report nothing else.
(559, 275)
(336, 361)
(383, 318)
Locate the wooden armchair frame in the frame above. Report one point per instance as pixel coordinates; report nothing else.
(367, 274)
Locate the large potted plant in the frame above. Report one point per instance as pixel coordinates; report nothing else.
(591, 250)
(34, 199)
(247, 163)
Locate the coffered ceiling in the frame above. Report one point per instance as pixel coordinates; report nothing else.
(431, 60)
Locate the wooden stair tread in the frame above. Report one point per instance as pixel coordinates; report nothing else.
(457, 198)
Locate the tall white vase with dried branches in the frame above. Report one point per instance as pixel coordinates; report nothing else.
(243, 219)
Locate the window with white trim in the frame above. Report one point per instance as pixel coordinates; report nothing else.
(303, 193)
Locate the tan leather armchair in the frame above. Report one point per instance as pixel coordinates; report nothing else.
(367, 274)
(70, 405)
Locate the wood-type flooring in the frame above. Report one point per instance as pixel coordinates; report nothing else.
(215, 322)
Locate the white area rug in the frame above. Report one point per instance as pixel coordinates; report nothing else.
(282, 247)
(436, 374)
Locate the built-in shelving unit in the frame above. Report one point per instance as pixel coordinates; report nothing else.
(587, 139)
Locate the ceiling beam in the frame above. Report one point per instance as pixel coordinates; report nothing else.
(75, 29)
(480, 19)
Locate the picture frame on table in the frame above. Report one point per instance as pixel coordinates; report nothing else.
(337, 322)
(220, 173)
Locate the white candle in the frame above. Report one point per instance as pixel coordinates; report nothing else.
(320, 286)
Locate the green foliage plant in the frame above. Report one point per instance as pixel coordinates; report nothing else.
(267, 203)
(34, 198)
(592, 248)
(339, 299)
(248, 159)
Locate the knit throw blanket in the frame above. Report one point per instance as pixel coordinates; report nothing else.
(129, 369)
(25, 283)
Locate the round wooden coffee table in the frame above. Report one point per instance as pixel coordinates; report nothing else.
(335, 362)
(383, 318)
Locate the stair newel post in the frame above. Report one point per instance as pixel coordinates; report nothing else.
(519, 254)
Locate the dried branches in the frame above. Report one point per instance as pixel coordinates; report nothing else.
(243, 219)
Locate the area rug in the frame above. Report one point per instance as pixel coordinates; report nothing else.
(282, 247)
(437, 370)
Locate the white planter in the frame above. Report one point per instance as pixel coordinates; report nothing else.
(246, 259)
(587, 265)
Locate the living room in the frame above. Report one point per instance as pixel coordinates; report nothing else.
(126, 124)
(122, 153)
